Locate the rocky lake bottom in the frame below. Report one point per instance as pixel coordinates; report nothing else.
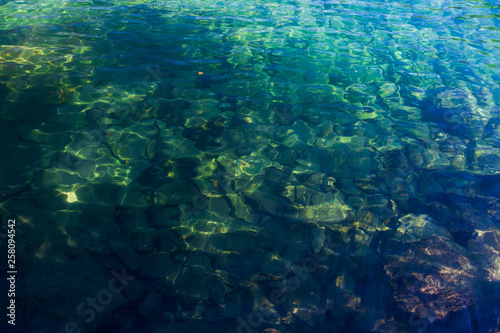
(275, 167)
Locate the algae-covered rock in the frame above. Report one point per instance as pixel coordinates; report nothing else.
(487, 245)
(432, 278)
(413, 228)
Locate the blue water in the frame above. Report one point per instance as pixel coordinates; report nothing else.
(253, 166)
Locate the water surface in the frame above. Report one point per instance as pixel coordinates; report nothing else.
(252, 166)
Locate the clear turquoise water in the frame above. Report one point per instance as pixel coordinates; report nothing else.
(296, 166)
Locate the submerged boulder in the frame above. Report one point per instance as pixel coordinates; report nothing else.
(432, 276)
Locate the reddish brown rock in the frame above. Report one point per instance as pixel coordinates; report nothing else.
(431, 278)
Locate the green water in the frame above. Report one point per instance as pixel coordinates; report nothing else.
(253, 166)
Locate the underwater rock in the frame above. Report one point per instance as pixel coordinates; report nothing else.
(277, 176)
(165, 217)
(300, 203)
(130, 218)
(141, 239)
(368, 183)
(55, 134)
(387, 89)
(346, 185)
(243, 240)
(134, 195)
(273, 265)
(306, 196)
(319, 238)
(63, 270)
(204, 134)
(241, 210)
(14, 181)
(303, 301)
(431, 278)
(295, 253)
(341, 304)
(168, 240)
(200, 259)
(180, 168)
(191, 283)
(95, 193)
(353, 237)
(361, 160)
(219, 208)
(195, 239)
(415, 154)
(487, 245)
(274, 205)
(95, 227)
(177, 192)
(413, 228)
(126, 254)
(355, 202)
(227, 260)
(27, 155)
(471, 193)
(414, 130)
(429, 186)
(487, 155)
(332, 211)
(391, 327)
(174, 147)
(136, 289)
(406, 112)
(435, 160)
(378, 204)
(11, 137)
(158, 265)
(401, 186)
(192, 326)
(207, 186)
(370, 223)
(367, 260)
(231, 306)
(151, 305)
(130, 146)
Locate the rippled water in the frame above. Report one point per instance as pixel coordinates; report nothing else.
(252, 166)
